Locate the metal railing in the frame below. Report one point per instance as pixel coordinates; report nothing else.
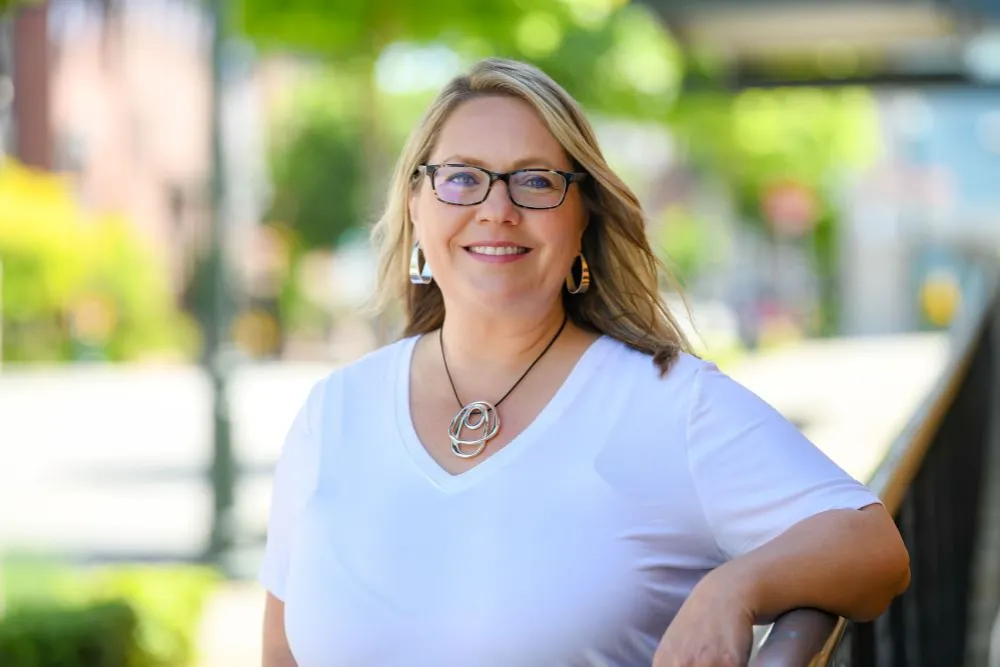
(941, 482)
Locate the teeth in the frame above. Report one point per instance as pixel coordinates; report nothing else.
(498, 250)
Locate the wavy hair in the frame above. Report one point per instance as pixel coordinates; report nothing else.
(624, 300)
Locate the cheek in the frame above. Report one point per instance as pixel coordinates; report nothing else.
(424, 216)
(436, 223)
(562, 235)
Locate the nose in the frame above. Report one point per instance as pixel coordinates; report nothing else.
(498, 206)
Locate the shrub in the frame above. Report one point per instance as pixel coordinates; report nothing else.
(165, 601)
(99, 635)
(76, 285)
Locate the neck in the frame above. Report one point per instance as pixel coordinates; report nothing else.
(498, 344)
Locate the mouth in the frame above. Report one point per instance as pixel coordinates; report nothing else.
(497, 251)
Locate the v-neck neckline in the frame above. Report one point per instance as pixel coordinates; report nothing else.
(452, 483)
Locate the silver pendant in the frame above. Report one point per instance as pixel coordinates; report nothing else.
(479, 417)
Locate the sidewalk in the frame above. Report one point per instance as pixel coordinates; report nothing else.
(231, 627)
(849, 396)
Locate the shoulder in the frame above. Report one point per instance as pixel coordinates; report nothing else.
(374, 369)
(647, 394)
(375, 364)
(641, 370)
(692, 388)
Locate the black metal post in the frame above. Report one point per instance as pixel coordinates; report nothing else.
(219, 314)
(983, 633)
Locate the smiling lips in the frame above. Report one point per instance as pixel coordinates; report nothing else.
(497, 252)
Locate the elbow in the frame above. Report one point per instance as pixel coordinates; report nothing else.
(879, 601)
(893, 577)
(903, 581)
(896, 567)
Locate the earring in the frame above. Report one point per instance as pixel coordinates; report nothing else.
(583, 285)
(419, 275)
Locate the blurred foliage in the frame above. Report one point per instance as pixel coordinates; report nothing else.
(683, 242)
(758, 138)
(76, 285)
(167, 602)
(317, 167)
(613, 56)
(9, 5)
(99, 635)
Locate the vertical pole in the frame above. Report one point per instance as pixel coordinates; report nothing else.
(992, 510)
(983, 633)
(32, 105)
(218, 314)
(1, 315)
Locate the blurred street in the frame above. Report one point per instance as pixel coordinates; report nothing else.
(109, 462)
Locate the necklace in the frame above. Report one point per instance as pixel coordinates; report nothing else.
(480, 417)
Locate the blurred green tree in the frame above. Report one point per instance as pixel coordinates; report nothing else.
(683, 242)
(613, 56)
(9, 5)
(757, 138)
(318, 169)
(77, 286)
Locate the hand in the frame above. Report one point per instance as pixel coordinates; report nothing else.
(714, 628)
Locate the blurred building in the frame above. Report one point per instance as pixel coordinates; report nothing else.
(930, 206)
(130, 113)
(121, 99)
(24, 59)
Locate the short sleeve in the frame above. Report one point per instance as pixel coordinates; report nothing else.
(756, 474)
(295, 478)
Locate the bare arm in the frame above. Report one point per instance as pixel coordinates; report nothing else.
(276, 652)
(848, 562)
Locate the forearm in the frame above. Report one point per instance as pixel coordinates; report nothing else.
(848, 562)
(275, 651)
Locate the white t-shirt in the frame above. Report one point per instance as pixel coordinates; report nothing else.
(573, 546)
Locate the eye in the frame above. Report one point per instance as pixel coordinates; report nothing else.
(464, 178)
(537, 180)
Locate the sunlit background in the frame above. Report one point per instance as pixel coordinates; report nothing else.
(185, 195)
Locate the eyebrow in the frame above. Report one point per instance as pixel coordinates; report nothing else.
(527, 162)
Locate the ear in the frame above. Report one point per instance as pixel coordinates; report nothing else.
(411, 205)
(585, 226)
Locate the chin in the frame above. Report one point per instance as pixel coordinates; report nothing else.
(496, 296)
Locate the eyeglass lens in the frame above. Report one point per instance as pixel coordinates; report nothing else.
(532, 188)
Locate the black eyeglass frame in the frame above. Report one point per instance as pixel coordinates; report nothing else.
(569, 177)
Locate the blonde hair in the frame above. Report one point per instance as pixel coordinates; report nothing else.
(624, 300)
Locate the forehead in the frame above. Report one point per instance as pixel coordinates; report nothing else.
(499, 132)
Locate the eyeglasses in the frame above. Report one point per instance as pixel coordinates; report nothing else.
(465, 185)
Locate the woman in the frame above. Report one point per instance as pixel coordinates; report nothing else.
(539, 473)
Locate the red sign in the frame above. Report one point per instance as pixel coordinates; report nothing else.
(790, 208)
